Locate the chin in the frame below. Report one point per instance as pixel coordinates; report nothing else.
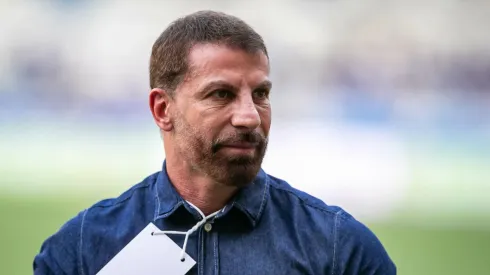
(238, 170)
(240, 174)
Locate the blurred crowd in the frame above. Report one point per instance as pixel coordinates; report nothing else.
(419, 63)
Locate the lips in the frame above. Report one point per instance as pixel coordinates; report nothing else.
(239, 142)
(241, 145)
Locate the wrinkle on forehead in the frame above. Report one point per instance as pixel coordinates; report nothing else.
(211, 57)
(210, 62)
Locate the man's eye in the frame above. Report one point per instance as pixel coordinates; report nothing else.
(261, 94)
(223, 94)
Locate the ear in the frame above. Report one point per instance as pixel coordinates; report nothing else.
(159, 105)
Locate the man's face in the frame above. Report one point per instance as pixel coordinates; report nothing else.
(222, 114)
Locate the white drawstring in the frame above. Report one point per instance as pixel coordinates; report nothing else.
(190, 231)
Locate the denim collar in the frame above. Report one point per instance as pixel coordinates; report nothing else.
(250, 200)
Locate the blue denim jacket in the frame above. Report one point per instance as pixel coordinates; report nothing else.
(268, 228)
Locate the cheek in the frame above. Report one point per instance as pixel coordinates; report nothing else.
(212, 124)
(265, 119)
(193, 141)
(201, 134)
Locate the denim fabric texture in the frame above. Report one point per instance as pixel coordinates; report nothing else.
(269, 227)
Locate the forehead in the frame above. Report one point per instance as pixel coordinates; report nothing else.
(211, 61)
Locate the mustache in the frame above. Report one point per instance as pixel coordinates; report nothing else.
(248, 137)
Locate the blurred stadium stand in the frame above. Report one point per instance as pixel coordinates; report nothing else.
(382, 76)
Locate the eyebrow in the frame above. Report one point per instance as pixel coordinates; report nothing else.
(221, 84)
(266, 84)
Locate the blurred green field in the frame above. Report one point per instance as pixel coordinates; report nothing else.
(417, 250)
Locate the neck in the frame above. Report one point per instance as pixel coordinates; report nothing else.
(198, 189)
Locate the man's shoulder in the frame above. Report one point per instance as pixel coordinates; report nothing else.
(105, 211)
(136, 191)
(134, 207)
(106, 207)
(286, 193)
(356, 239)
(62, 252)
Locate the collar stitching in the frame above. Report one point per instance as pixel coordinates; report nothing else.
(255, 217)
(264, 198)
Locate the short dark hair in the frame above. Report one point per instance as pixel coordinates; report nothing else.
(169, 56)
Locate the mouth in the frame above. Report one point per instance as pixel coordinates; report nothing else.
(241, 143)
(240, 147)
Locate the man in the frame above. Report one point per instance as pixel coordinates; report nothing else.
(210, 98)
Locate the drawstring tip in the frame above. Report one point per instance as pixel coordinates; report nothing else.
(182, 259)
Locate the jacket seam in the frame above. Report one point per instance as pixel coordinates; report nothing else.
(264, 198)
(335, 240)
(121, 200)
(80, 245)
(256, 216)
(157, 205)
(307, 203)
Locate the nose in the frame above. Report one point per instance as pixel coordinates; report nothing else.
(245, 114)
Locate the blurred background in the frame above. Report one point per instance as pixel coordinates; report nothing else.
(381, 107)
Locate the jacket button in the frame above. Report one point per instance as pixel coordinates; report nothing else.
(208, 227)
